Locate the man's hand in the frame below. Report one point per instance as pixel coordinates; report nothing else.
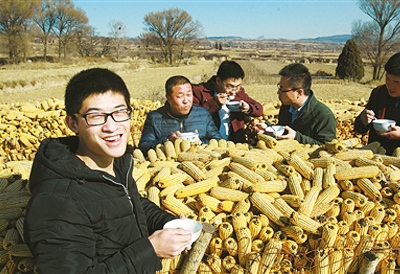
(174, 135)
(291, 134)
(394, 133)
(170, 242)
(367, 116)
(245, 107)
(222, 98)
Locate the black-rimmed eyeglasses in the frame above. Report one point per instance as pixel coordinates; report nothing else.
(281, 90)
(98, 119)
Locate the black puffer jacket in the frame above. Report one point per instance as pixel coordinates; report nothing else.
(83, 221)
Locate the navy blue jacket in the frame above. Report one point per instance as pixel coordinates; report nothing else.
(160, 124)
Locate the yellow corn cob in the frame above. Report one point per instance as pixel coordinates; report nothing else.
(309, 200)
(287, 145)
(329, 234)
(271, 142)
(318, 177)
(169, 180)
(353, 154)
(262, 203)
(197, 188)
(241, 206)
(174, 205)
(231, 246)
(255, 226)
(257, 245)
(327, 195)
(286, 170)
(369, 189)
(160, 152)
(267, 175)
(143, 180)
(266, 233)
(170, 190)
(322, 162)
(153, 194)
(138, 155)
(228, 194)
(193, 170)
(294, 183)
(228, 262)
(226, 206)
(250, 163)
(216, 246)
(225, 230)
(245, 172)
(19, 250)
(290, 247)
(271, 251)
(161, 174)
(206, 212)
(215, 263)
(283, 207)
(252, 261)
(334, 146)
(366, 243)
(321, 262)
(232, 183)
(269, 186)
(152, 156)
(357, 173)
(305, 222)
(11, 238)
(184, 146)
(243, 236)
(194, 156)
(211, 202)
(177, 146)
(167, 150)
(329, 176)
(358, 198)
(301, 166)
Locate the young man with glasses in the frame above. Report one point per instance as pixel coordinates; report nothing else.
(383, 103)
(177, 116)
(217, 91)
(304, 117)
(85, 214)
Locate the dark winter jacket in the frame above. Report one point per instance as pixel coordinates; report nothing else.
(203, 95)
(384, 106)
(81, 220)
(316, 123)
(160, 124)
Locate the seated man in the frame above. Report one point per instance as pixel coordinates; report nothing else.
(178, 115)
(223, 87)
(304, 118)
(383, 103)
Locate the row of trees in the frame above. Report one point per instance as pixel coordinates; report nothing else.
(171, 31)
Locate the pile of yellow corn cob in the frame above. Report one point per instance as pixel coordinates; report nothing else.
(277, 206)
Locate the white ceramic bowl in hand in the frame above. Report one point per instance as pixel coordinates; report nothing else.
(233, 105)
(187, 224)
(382, 125)
(275, 130)
(190, 136)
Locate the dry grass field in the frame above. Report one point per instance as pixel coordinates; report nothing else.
(39, 81)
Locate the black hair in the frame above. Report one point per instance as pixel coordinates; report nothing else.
(299, 75)
(89, 82)
(230, 69)
(392, 66)
(175, 81)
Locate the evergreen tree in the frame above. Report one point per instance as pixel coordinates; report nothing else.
(350, 65)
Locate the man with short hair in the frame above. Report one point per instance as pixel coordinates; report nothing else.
(383, 103)
(177, 116)
(85, 214)
(217, 91)
(304, 117)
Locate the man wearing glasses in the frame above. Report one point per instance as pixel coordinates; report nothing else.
(304, 117)
(85, 214)
(217, 91)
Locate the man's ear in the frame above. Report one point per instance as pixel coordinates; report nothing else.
(300, 91)
(72, 124)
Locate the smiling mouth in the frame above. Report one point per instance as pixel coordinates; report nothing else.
(113, 138)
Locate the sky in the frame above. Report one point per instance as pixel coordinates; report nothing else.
(249, 19)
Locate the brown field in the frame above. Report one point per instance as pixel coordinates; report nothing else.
(34, 82)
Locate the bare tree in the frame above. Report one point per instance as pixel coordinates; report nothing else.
(45, 18)
(87, 41)
(169, 29)
(117, 32)
(14, 23)
(68, 21)
(377, 38)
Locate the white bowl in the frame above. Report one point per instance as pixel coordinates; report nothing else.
(188, 224)
(233, 105)
(382, 125)
(190, 136)
(275, 130)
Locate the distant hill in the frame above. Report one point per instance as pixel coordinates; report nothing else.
(341, 38)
